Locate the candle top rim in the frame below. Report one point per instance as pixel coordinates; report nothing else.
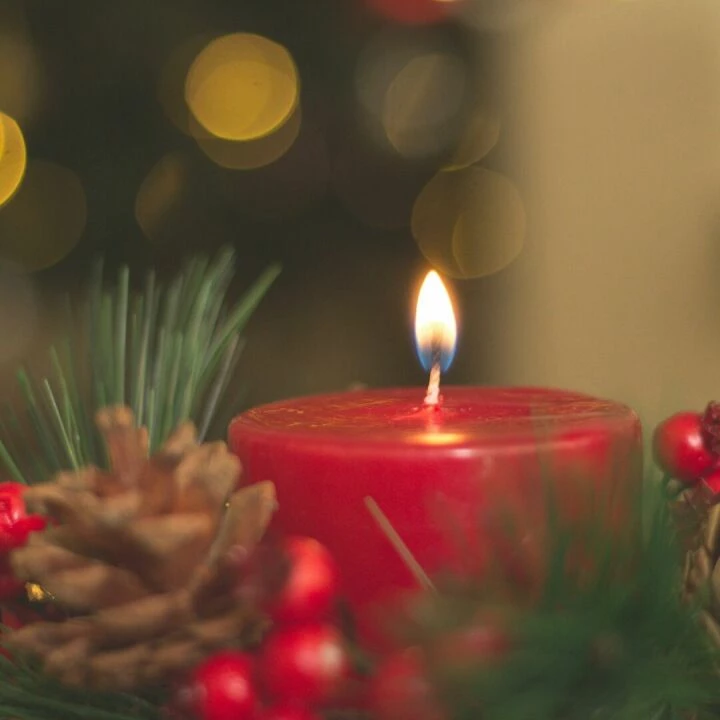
(469, 416)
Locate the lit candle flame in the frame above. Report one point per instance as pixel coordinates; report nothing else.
(435, 332)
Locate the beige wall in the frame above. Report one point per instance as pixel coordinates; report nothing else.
(613, 114)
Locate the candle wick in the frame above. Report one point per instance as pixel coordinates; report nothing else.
(432, 396)
(399, 545)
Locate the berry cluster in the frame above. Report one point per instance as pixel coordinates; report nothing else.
(15, 528)
(301, 665)
(687, 447)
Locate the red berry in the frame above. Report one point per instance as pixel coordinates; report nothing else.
(305, 664)
(310, 589)
(15, 524)
(16, 534)
(679, 447)
(401, 690)
(286, 712)
(220, 688)
(12, 505)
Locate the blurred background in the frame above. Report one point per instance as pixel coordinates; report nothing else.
(557, 161)
(357, 143)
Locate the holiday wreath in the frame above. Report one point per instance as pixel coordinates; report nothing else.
(138, 581)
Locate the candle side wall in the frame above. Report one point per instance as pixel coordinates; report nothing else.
(444, 502)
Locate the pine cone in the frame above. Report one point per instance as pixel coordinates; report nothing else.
(145, 558)
(696, 511)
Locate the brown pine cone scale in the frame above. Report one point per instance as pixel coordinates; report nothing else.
(145, 558)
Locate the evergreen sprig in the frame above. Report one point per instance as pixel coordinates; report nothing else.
(168, 352)
(26, 693)
(614, 641)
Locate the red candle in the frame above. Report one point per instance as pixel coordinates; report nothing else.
(432, 472)
(397, 484)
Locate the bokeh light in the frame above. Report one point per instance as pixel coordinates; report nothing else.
(415, 91)
(13, 157)
(480, 136)
(252, 154)
(21, 79)
(242, 87)
(160, 193)
(45, 219)
(469, 223)
(179, 209)
(412, 12)
(422, 102)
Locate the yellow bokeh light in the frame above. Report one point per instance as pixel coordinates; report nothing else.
(242, 87)
(469, 223)
(13, 158)
(480, 136)
(45, 219)
(380, 61)
(422, 103)
(252, 154)
(159, 194)
(415, 90)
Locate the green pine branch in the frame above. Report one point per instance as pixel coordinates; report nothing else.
(168, 352)
(615, 642)
(26, 693)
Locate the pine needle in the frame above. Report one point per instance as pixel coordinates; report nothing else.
(121, 314)
(12, 468)
(168, 352)
(232, 355)
(27, 694)
(614, 643)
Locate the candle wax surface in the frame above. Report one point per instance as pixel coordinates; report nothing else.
(433, 472)
(398, 418)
